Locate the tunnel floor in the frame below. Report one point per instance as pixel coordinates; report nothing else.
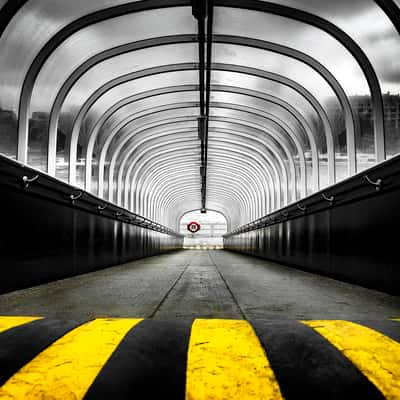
(201, 284)
(199, 325)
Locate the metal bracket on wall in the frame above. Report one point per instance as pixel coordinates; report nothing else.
(26, 181)
(302, 208)
(378, 183)
(330, 199)
(74, 197)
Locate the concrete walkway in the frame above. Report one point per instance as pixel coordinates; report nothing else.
(201, 284)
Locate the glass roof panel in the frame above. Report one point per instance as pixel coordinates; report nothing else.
(146, 107)
(277, 90)
(145, 123)
(366, 23)
(275, 63)
(153, 148)
(176, 127)
(234, 134)
(297, 35)
(116, 67)
(263, 108)
(46, 89)
(101, 75)
(264, 126)
(283, 66)
(40, 20)
(138, 87)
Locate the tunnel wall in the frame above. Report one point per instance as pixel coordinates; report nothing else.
(45, 235)
(354, 237)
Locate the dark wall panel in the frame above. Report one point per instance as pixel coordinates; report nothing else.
(45, 237)
(354, 238)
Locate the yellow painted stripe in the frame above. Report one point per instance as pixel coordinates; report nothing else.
(226, 361)
(374, 354)
(11, 322)
(67, 368)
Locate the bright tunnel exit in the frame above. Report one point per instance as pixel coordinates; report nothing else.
(203, 231)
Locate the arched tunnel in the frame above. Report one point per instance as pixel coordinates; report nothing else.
(199, 199)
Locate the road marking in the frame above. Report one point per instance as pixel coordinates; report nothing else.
(227, 361)
(12, 322)
(150, 363)
(67, 368)
(374, 354)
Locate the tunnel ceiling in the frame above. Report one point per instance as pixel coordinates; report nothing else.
(165, 106)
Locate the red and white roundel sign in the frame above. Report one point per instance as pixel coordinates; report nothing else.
(193, 227)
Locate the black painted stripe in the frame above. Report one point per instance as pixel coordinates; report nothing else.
(21, 344)
(150, 363)
(389, 328)
(307, 366)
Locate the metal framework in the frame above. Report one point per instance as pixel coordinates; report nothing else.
(189, 112)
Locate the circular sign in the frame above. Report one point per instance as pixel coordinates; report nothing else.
(193, 227)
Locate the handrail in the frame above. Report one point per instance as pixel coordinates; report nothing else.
(350, 190)
(13, 173)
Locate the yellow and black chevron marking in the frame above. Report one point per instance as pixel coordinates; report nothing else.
(202, 359)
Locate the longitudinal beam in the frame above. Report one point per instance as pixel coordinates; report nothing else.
(200, 9)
